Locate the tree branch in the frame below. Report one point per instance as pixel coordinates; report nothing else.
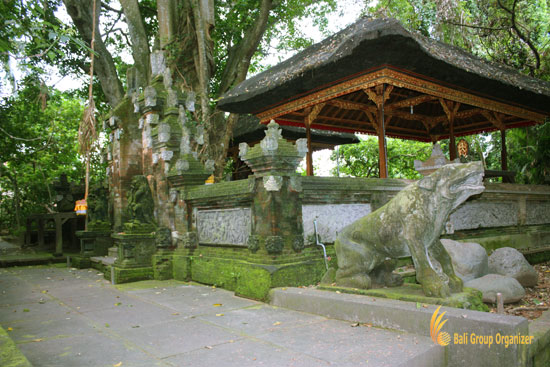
(138, 36)
(520, 34)
(241, 54)
(107, 7)
(81, 14)
(447, 21)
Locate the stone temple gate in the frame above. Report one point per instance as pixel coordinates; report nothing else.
(254, 234)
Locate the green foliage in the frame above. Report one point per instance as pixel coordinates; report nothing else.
(33, 37)
(511, 32)
(361, 159)
(529, 153)
(36, 147)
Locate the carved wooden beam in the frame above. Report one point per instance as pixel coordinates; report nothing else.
(459, 115)
(414, 101)
(378, 95)
(494, 118)
(312, 115)
(450, 108)
(349, 105)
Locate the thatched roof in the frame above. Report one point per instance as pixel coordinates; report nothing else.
(370, 44)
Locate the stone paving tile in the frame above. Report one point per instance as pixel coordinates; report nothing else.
(50, 309)
(262, 318)
(195, 300)
(339, 342)
(33, 329)
(86, 299)
(170, 338)
(133, 315)
(97, 350)
(245, 353)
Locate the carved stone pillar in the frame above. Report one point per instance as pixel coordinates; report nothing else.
(277, 208)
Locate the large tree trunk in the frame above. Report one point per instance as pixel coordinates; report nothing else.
(140, 41)
(81, 13)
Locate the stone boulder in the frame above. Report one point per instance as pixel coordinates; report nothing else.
(491, 284)
(469, 259)
(510, 262)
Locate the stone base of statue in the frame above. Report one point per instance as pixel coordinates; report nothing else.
(467, 299)
(134, 260)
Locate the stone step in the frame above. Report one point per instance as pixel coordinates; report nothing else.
(113, 252)
(105, 260)
(413, 318)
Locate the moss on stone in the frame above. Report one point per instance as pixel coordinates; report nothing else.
(81, 262)
(10, 355)
(469, 298)
(214, 271)
(181, 267)
(247, 279)
(125, 275)
(162, 267)
(253, 281)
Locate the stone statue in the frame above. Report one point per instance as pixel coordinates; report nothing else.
(140, 201)
(409, 224)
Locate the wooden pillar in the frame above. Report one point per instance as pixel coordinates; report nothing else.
(379, 95)
(309, 154)
(40, 232)
(311, 115)
(383, 159)
(58, 235)
(503, 153)
(451, 108)
(452, 142)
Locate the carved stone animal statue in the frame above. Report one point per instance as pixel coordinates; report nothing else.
(409, 224)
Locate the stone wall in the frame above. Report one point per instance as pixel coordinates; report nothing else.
(337, 202)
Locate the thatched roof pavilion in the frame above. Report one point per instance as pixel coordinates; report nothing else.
(375, 77)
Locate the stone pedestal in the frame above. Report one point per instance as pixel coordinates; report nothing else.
(135, 252)
(92, 243)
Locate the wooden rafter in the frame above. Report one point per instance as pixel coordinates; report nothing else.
(401, 80)
(494, 118)
(314, 112)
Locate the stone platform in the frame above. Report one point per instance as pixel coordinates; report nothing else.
(69, 317)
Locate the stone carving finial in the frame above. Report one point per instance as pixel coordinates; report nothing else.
(301, 144)
(274, 155)
(272, 135)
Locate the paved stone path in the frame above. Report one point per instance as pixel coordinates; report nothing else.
(69, 317)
